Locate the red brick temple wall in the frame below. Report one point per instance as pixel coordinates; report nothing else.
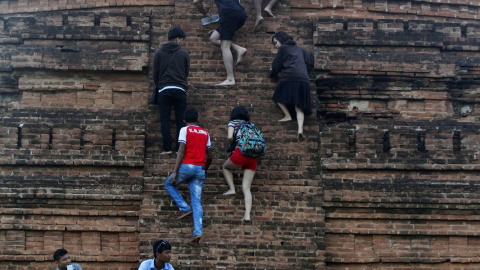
(386, 178)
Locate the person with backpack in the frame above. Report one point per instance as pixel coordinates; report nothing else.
(292, 94)
(247, 144)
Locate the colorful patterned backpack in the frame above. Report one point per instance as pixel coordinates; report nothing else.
(250, 142)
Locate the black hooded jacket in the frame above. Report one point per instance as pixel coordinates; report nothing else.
(171, 65)
(293, 61)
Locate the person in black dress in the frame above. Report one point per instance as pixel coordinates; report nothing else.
(293, 91)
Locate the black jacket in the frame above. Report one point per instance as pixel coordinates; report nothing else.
(171, 65)
(294, 61)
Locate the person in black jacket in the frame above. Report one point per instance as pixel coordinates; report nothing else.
(293, 91)
(171, 65)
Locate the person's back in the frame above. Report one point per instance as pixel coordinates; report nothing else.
(239, 116)
(174, 61)
(194, 156)
(196, 140)
(171, 65)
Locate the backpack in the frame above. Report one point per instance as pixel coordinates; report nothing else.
(250, 142)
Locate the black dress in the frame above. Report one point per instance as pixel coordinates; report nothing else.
(293, 88)
(294, 93)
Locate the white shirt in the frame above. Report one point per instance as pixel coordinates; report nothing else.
(150, 265)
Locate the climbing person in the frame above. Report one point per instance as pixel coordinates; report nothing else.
(194, 157)
(171, 65)
(247, 161)
(232, 18)
(292, 94)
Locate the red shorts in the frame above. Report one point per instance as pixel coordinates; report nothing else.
(242, 161)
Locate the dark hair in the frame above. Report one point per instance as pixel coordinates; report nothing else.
(59, 253)
(176, 32)
(281, 37)
(239, 113)
(190, 115)
(160, 246)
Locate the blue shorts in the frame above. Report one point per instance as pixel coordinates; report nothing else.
(231, 22)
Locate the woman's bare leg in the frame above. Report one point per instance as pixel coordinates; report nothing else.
(227, 173)
(246, 184)
(300, 119)
(284, 109)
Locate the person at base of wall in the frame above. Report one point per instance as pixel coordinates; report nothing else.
(63, 260)
(162, 254)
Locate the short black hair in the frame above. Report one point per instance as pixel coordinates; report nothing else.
(281, 37)
(239, 113)
(59, 253)
(160, 246)
(190, 115)
(176, 32)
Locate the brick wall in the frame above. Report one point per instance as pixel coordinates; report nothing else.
(399, 137)
(386, 177)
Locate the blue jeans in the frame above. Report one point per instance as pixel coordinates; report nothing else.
(194, 175)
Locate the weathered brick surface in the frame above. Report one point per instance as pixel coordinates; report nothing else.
(399, 137)
(386, 178)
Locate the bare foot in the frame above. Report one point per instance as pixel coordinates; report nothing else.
(285, 119)
(258, 21)
(245, 219)
(240, 55)
(300, 133)
(226, 82)
(269, 12)
(229, 192)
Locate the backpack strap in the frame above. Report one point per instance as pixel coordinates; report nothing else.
(238, 127)
(234, 143)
